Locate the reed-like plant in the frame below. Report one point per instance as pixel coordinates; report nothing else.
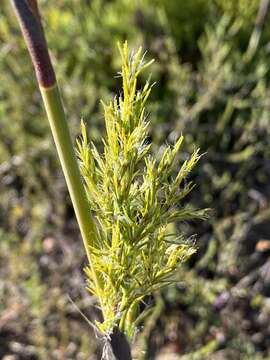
(129, 197)
(134, 197)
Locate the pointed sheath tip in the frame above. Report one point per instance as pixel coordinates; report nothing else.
(31, 26)
(120, 345)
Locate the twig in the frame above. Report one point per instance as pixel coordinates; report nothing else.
(257, 32)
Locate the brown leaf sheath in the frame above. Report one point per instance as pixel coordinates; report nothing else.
(29, 19)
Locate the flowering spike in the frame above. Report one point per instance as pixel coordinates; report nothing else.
(135, 199)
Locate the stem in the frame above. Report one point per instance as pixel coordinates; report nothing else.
(58, 123)
(59, 128)
(32, 29)
(29, 19)
(130, 318)
(257, 32)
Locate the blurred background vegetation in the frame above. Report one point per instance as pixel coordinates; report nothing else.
(213, 86)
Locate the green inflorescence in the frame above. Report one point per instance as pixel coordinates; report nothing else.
(134, 198)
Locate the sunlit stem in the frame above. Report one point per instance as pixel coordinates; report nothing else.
(58, 123)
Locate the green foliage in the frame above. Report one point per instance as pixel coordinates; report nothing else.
(239, 9)
(228, 101)
(134, 199)
(207, 91)
(224, 108)
(177, 20)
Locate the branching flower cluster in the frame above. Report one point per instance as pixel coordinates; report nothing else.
(134, 198)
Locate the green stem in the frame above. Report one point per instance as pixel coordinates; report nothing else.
(122, 322)
(61, 136)
(58, 123)
(31, 26)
